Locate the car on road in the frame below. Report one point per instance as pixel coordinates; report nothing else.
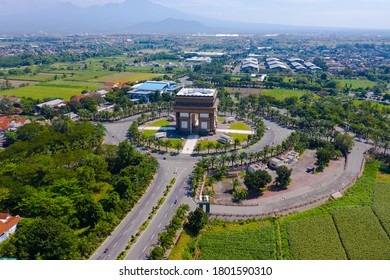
(149, 152)
(267, 128)
(164, 158)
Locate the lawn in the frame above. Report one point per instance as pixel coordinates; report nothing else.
(240, 126)
(41, 92)
(315, 238)
(281, 94)
(361, 234)
(124, 77)
(357, 83)
(252, 241)
(241, 137)
(149, 133)
(381, 200)
(220, 119)
(160, 123)
(86, 75)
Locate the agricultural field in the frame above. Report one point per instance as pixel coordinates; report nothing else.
(124, 77)
(357, 230)
(40, 77)
(240, 126)
(253, 241)
(361, 234)
(381, 199)
(41, 92)
(86, 75)
(62, 83)
(315, 238)
(357, 83)
(281, 94)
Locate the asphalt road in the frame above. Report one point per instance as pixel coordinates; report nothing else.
(180, 167)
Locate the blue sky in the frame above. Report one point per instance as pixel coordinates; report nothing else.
(331, 13)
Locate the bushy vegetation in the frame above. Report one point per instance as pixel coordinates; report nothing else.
(254, 241)
(315, 238)
(70, 190)
(361, 234)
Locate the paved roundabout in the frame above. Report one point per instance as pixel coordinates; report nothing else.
(180, 166)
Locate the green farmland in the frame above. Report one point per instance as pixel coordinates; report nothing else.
(281, 94)
(41, 92)
(355, 84)
(353, 227)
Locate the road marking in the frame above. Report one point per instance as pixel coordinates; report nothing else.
(147, 203)
(132, 222)
(115, 244)
(153, 236)
(159, 225)
(177, 196)
(144, 250)
(166, 214)
(141, 211)
(171, 205)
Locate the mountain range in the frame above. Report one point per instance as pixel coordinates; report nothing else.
(127, 17)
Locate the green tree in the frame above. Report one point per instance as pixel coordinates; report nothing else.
(284, 176)
(197, 220)
(257, 180)
(344, 143)
(240, 194)
(157, 253)
(46, 239)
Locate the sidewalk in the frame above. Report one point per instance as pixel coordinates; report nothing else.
(190, 144)
(234, 131)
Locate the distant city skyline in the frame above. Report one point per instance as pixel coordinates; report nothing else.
(370, 14)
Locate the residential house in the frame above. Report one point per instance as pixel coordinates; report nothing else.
(8, 225)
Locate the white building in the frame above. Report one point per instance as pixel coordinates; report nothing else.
(8, 225)
(250, 63)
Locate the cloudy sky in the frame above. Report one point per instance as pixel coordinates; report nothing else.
(331, 13)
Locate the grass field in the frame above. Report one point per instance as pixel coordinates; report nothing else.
(357, 231)
(41, 92)
(220, 119)
(281, 94)
(241, 137)
(361, 234)
(124, 77)
(315, 238)
(62, 83)
(160, 123)
(149, 133)
(357, 83)
(252, 241)
(40, 77)
(240, 126)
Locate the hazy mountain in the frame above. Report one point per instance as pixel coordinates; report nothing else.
(129, 16)
(65, 17)
(170, 25)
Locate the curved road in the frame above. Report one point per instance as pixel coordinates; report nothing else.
(180, 167)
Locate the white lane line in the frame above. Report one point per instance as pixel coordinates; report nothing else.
(115, 244)
(153, 236)
(171, 205)
(144, 250)
(132, 222)
(141, 211)
(177, 196)
(166, 214)
(147, 203)
(159, 225)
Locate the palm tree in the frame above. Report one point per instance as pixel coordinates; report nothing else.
(213, 160)
(167, 144)
(209, 145)
(251, 157)
(179, 145)
(218, 147)
(236, 183)
(227, 146)
(237, 142)
(224, 158)
(233, 158)
(243, 156)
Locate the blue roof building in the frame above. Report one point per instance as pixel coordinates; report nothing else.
(142, 91)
